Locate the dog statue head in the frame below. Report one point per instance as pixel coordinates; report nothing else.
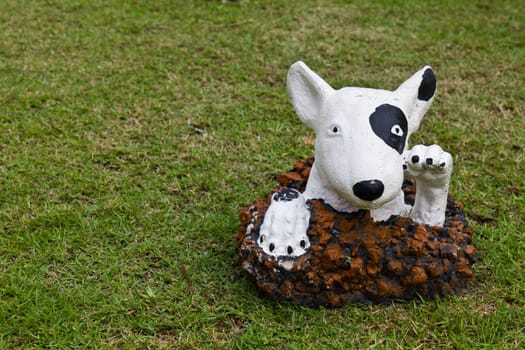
(361, 133)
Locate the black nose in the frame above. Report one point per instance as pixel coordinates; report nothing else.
(369, 190)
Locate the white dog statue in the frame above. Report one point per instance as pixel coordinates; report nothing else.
(361, 157)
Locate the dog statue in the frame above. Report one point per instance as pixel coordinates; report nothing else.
(361, 157)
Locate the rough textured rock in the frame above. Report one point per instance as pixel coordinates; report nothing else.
(352, 258)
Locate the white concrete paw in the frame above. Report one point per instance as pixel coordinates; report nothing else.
(283, 231)
(429, 164)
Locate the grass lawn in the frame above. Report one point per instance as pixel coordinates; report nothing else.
(133, 132)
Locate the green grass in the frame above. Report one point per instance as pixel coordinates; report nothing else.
(133, 132)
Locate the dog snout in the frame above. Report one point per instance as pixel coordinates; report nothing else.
(369, 190)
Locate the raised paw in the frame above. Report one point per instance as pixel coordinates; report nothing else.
(283, 231)
(431, 167)
(429, 164)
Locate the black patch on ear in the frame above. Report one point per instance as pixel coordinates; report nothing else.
(382, 121)
(427, 88)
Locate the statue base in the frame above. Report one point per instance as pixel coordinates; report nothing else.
(355, 259)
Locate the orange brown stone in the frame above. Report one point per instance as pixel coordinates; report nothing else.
(352, 258)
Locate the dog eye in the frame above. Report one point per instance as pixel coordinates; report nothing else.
(396, 130)
(335, 129)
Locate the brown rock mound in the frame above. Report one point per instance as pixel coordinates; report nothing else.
(352, 258)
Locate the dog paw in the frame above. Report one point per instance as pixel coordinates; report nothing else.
(283, 231)
(429, 164)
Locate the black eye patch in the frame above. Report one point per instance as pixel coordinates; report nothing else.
(390, 124)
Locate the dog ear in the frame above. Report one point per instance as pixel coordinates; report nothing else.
(307, 91)
(416, 95)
